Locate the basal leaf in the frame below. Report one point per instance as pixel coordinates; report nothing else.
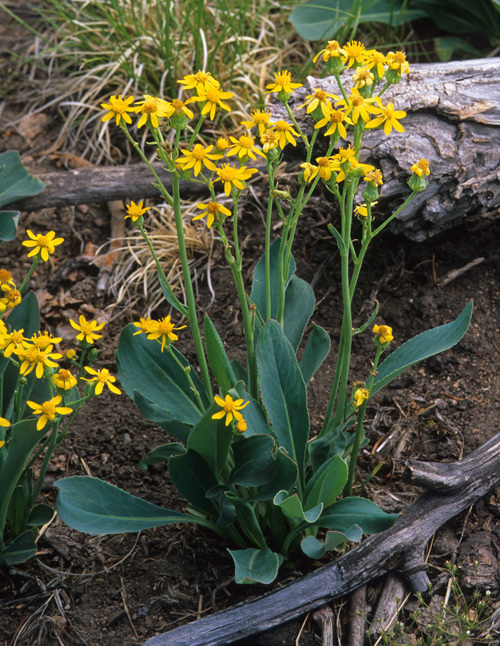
(327, 483)
(20, 550)
(254, 463)
(315, 352)
(15, 181)
(255, 566)
(315, 549)
(347, 512)
(291, 506)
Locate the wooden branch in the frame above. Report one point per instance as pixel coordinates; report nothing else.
(91, 185)
(453, 120)
(400, 548)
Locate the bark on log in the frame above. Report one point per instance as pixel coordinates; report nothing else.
(453, 120)
(400, 548)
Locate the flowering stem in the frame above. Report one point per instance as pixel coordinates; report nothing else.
(188, 376)
(397, 212)
(35, 262)
(195, 330)
(48, 454)
(270, 170)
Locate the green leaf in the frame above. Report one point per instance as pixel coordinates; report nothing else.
(327, 483)
(315, 352)
(258, 295)
(247, 520)
(211, 439)
(254, 417)
(157, 377)
(227, 514)
(283, 392)
(284, 478)
(217, 357)
(254, 464)
(8, 225)
(162, 454)
(334, 442)
(315, 548)
(15, 181)
(255, 566)
(193, 478)
(322, 19)
(446, 46)
(40, 515)
(422, 347)
(21, 549)
(345, 513)
(291, 506)
(97, 507)
(299, 307)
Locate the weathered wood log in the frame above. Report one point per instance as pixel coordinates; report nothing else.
(400, 548)
(453, 120)
(91, 185)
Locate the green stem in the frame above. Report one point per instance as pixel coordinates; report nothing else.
(270, 170)
(188, 376)
(397, 212)
(195, 330)
(34, 264)
(48, 454)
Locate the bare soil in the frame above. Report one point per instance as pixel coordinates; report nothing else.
(121, 590)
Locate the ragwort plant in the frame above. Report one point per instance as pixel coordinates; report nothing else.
(246, 459)
(41, 392)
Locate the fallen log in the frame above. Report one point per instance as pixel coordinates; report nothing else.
(399, 549)
(453, 121)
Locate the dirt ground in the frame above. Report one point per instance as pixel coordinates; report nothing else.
(121, 590)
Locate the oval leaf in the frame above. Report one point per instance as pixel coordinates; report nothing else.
(255, 566)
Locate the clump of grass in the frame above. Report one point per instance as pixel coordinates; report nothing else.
(89, 50)
(455, 619)
(134, 282)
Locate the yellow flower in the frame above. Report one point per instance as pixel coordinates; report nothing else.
(152, 108)
(48, 411)
(234, 177)
(244, 147)
(118, 108)
(197, 158)
(259, 118)
(87, 329)
(12, 341)
(270, 140)
(332, 50)
(70, 354)
(145, 325)
(285, 132)
(355, 53)
(358, 106)
(421, 168)
(334, 120)
(164, 328)
(374, 176)
(389, 117)
(362, 210)
(310, 171)
(384, 333)
(213, 97)
(320, 98)
(362, 77)
(180, 108)
(64, 379)
(241, 426)
(44, 339)
(397, 62)
(102, 378)
(221, 145)
(282, 83)
(326, 166)
(6, 280)
(230, 409)
(32, 357)
(10, 299)
(4, 422)
(375, 61)
(200, 81)
(360, 395)
(211, 211)
(135, 211)
(42, 244)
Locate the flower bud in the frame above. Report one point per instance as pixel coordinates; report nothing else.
(417, 184)
(92, 356)
(179, 121)
(370, 192)
(334, 65)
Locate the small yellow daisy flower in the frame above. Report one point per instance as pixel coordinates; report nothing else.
(34, 358)
(200, 82)
(180, 108)
(42, 244)
(397, 62)
(64, 379)
(374, 176)
(10, 342)
(260, 119)
(286, 133)
(164, 329)
(389, 117)
(212, 211)
(10, 299)
(362, 77)
(44, 339)
(145, 325)
(360, 395)
(282, 83)
(326, 166)
(310, 171)
(355, 53)
(234, 177)
(135, 211)
(87, 329)
(270, 139)
(118, 108)
(321, 99)
(421, 168)
(151, 109)
(213, 97)
(358, 106)
(332, 50)
(244, 147)
(334, 119)
(102, 378)
(375, 61)
(230, 409)
(4, 422)
(197, 158)
(362, 210)
(6, 280)
(48, 411)
(241, 426)
(383, 333)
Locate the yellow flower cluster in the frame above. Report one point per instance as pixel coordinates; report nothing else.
(231, 410)
(158, 329)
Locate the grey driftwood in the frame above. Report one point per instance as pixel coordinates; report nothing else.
(401, 548)
(453, 121)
